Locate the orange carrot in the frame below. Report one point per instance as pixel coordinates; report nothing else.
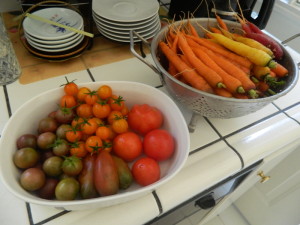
(232, 84)
(172, 70)
(280, 70)
(223, 92)
(221, 23)
(215, 30)
(214, 79)
(260, 72)
(232, 70)
(188, 73)
(192, 29)
(221, 50)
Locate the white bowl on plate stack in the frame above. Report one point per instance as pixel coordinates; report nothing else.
(50, 38)
(115, 18)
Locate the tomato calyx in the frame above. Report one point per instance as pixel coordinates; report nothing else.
(68, 82)
(70, 160)
(117, 100)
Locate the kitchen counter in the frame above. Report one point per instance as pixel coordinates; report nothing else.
(219, 147)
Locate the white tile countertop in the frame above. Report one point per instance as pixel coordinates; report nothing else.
(219, 149)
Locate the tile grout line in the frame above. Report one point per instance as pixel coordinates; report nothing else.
(7, 101)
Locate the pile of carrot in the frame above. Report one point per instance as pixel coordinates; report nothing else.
(223, 63)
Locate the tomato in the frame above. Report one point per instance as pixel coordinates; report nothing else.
(32, 179)
(89, 126)
(67, 189)
(61, 130)
(48, 190)
(158, 144)
(27, 140)
(72, 165)
(116, 102)
(64, 115)
(101, 110)
(127, 146)
(73, 135)
(93, 144)
(68, 101)
(52, 166)
(70, 88)
(120, 125)
(144, 118)
(78, 149)
(91, 98)
(47, 124)
(146, 171)
(106, 177)
(104, 92)
(26, 157)
(60, 147)
(113, 115)
(125, 110)
(86, 180)
(82, 93)
(77, 122)
(84, 110)
(46, 140)
(103, 132)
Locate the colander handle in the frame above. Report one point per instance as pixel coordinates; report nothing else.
(132, 34)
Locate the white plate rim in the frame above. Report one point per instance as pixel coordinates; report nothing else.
(126, 28)
(50, 46)
(104, 8)
(56, 50)
(28, 23)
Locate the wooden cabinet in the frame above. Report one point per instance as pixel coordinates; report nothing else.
(275, 201)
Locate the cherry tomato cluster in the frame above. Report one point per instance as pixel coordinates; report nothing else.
(93, 145)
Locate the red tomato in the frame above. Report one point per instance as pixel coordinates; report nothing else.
(144, 118)
(146, 171)
(127, 146)
(159, 144)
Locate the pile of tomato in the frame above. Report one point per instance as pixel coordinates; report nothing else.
(93, 145)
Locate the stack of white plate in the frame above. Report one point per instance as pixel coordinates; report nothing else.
(115, 18)
(50, 38)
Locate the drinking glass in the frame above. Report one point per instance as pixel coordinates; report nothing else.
(9, 66)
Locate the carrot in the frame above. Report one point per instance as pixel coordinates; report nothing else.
(172, 70)
(221, 50)
(253, 43)
(280, 70)
(260, 72)
(256, 56)
(232, 84)
(241, 96)
(223, 92)
(214, 79)
(221, 23)
(233, 70)
(192, 29)
(188, 73)
(215, 30)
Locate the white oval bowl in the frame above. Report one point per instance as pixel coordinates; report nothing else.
(26, 118)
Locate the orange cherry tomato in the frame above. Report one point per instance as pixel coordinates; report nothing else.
(101, 110)
(91, 98)
(78, 149)
(82, 93)
(103, 132)
(120, 125)
(116, 102)
(125, 110)
(70, 88)
(89, 126)
(68, 101)
(93, 144)
(73, 135)
(113, 115)
(76, 122)
(84, 110)
(104, 92)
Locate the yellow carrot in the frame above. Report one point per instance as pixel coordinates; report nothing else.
(258, 57)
